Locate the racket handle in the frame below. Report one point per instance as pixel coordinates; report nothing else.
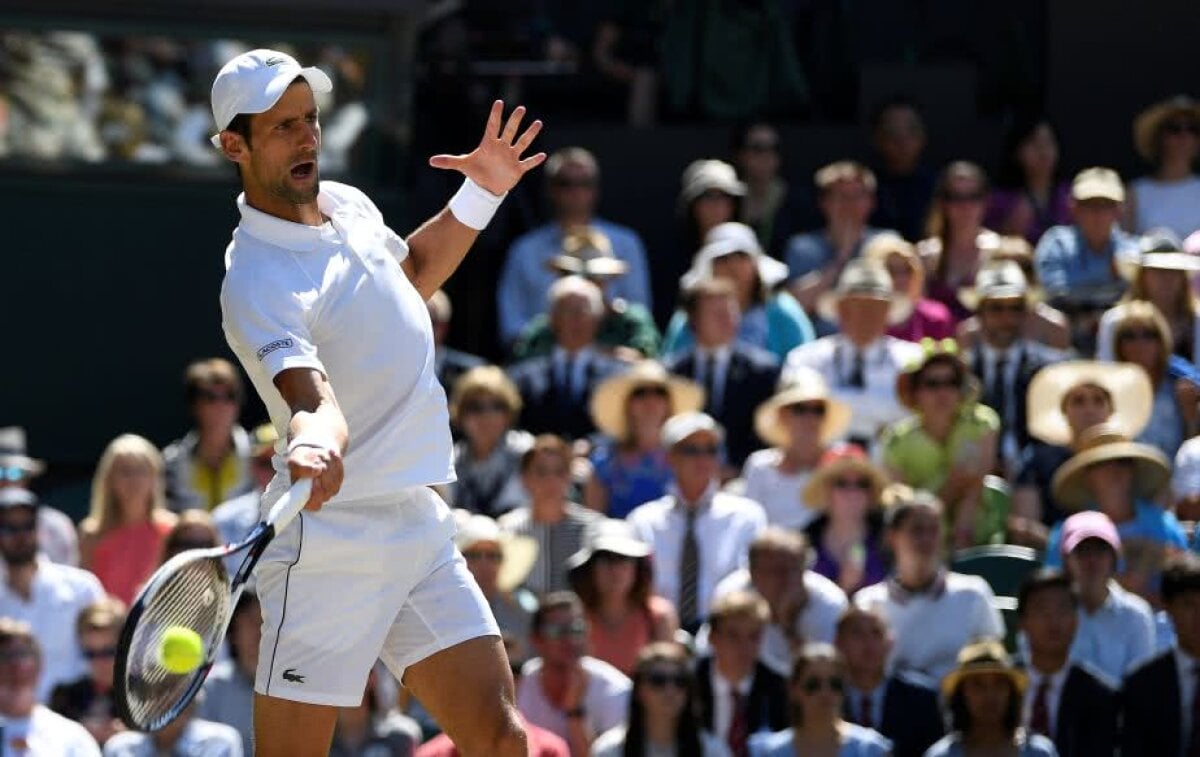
(289, 504)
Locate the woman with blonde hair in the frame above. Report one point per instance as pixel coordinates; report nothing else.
(929, 318)
(121, 537)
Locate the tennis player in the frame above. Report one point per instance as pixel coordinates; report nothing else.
(324, 306)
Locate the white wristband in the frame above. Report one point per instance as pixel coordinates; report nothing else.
(474, 206)
(311, 440)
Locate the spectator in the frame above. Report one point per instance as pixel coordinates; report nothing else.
(698, 535)
(860, 362)
(983, 699)
(1030, 196)
(573, 181)
(956, 241)
(625, 52)
(710, 195)
(1065, 701)
(799, 422)
(122, 535)
(736, 376)
(612, 575)
(905, 180)
(626, 328)
(928, 318)
(1116, 628)
(1141, 336)
(235, 518)
(484, 405)
(557, 524)
(29, 725)
(629, 462)
(771, 320)
(816, 694)
(211, 463)
(902, 706)
(1185, 485)
(193, 530)
(500, 563)
(736, 694)
(56, 530)
(662, 710)
(950, 443)
(1167, 136)
(229, 687)
(542, 743)
(563, 690)
(556, 388)
(1042, 323)
(846, 492)
(1159, 697)
(771, 206)
(373, 728)
(448, 362)
(89, 700)
(43, 594)
(932, 611)
(186, 734)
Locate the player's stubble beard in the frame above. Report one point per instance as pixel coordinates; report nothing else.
(298, 195)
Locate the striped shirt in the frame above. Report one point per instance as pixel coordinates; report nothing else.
(556, 542)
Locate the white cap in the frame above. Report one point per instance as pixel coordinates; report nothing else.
(253, 82)
(679, 427)
(1185, 481)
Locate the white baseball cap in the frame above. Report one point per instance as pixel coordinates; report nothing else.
(253, 82)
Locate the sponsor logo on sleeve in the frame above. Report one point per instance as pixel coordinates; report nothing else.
(278, 344)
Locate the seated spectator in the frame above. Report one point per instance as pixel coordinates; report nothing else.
(542, 743)
(43, 594)
(662, 709)
(186, 734)
(625, 53)
(771, 320)
(627, 327)
(556, 388)
(211, 463)
(89, 700)
(612, 575)
(736, 377)
(56, 530)
(235, 518)
(555, 523)
(770, 206)
(28, 725)
(373, 728)
(1041, 324)
(193, 530)
(1029, 196)
(122, 535)
(448, 362)
(905, 179)
(928, 318)
(902, 706)
(1066, 701)
(572, 181)
(710, 195)
(799, 422)
(983, 700)
(1167, 136)
(1185, 486)
(1159, 691)
(847, 534)
(629, 462)
(816, 693)
(932, 611)
(500, 564)
(697, 534)
(484, 405)
(229, 687)
(563, 690)
(950, 443)
(860, 362)
(1116, 628)
(736, 694)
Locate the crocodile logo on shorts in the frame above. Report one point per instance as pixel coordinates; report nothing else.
(292, 676)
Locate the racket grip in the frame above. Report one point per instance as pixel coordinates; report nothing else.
(292, 502)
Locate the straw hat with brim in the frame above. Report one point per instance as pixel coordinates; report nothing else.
(1102, 443)
(520, 552)
(704, 175)
(1160, 250)
(979, 658)
(1127, 384)
(12, 452)
(996, 281)
(809, 387)
(729, 238)
(608, 535)
(1150, 120)
(864, 280)
(588, 253)
(610, 398)
(946, 351)
(837, 461)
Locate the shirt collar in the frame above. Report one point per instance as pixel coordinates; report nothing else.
(1056, 678)
(1013, 353)
(288, 234)
(720, 353)
(900, 595)
(722, 687)
(703, 503)
(869, 352)
(560, 355)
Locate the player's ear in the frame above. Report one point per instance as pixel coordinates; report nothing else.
(234, 146)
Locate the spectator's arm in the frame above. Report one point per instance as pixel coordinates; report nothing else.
(1050, 258)
(595, 496)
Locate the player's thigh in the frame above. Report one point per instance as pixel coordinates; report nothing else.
(283, 728)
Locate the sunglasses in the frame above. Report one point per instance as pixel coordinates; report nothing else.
(953, 197)
(1181, 127)
(11, 529)
(1135, 334)
(860, 484)
(998, 307)
(649, 391)
(816, 683)
(698, 450)
(210, 396)
(944, 383)
(104, 653)
(563, 182)
(657, 679)
(807, 408)
(548, 471)
(481, 407)
(483, 554)
(576, 629)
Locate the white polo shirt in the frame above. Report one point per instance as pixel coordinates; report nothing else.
(334, 298)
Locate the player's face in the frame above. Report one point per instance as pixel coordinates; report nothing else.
(284, 141)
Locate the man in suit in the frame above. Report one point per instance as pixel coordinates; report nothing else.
(556, 389)
(1164, 688)
(738, 695)
(1068, 702)
(902, 706)
(736, 377)
(448, 362)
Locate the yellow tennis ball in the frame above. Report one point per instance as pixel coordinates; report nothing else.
(181, 650)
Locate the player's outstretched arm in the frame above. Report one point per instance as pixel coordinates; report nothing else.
(495, 166)
(317, 434)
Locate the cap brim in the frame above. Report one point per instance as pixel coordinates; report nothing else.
(316, 78)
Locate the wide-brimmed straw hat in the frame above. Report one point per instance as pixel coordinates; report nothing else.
(862, 278)
(941, 350)
(1147, 124)
(520, 552)
(980, 657)
(1162, 250)
(1102, 443)
(1127, 384)
(612, 395)
(12, 453)
(703, 175)
(1002, 280)
(804, 385)
(729, 238)
(838, 460)
(608, 535)
(588, 252)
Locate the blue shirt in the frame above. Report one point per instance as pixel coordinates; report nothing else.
(858, 742)
(1150, 523)
(525, 279)
(629, 483)
(810, 252)
(778, 326)
(1064, 260)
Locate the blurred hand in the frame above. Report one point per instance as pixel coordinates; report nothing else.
(323, 466)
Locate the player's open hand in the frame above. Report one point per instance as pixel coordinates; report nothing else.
(496, 164)
(323, 466)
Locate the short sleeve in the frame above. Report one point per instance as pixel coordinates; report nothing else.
(268, 325)
(395, 244)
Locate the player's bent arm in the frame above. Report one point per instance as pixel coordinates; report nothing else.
(317, 432)
(435, 250)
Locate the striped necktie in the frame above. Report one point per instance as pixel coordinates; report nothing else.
(689, 574)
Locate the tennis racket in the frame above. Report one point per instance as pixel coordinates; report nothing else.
(192, 590)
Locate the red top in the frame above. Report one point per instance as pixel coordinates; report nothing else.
(126, 556)
(619, 646)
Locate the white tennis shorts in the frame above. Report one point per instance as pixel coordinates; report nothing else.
(356, 582)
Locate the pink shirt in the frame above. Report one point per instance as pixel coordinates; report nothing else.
(126, 556)
(929, 318)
